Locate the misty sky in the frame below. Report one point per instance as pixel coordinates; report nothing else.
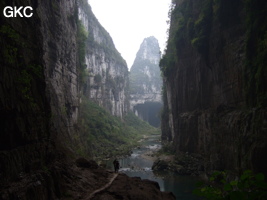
(130, 21)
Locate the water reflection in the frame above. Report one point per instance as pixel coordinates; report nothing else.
(137, 165)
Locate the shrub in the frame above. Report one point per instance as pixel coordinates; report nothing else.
(248, 186)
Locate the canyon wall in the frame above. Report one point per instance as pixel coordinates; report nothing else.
(41, 84)
(39, 89)
(146, 82)
(215, 83)
(107, 73)
(39, 95)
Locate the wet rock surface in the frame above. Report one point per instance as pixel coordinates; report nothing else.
(40, 93)
(65, 180)
(183, 164)
(133, 188)
(207, 108)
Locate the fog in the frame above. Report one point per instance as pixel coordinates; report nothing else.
(130, 21)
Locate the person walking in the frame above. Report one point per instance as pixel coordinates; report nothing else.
(116, 165)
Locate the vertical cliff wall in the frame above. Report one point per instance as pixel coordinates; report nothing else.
(38, 84)
(107, 73)
(38, 92)
(41, 79)
(48, 61)
(58, 26)
(146, 82)
(215, 82)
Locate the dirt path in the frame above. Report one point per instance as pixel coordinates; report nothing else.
(102, 188)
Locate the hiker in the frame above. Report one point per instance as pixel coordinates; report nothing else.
(116, 165)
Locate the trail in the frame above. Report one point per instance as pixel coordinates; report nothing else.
(102, 188)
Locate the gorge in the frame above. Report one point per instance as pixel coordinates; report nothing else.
(61, 81)
(214, 75)
(107, 79)
(66, 97)
(146, 82)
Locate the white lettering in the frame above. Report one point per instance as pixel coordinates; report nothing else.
(14, 12)
(17, 11)
(8, 13)
(24, 11)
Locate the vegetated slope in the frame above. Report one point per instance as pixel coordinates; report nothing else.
(146, 82)
(40, 82)
(215, 76)
(105, 72)
(37, 110)
(145, 73)
(106, 135)
(39, 99)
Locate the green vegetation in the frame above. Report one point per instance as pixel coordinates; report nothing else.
(11, 50)
(167, 149)
(186, 28)
(248, 186)
(137, 79)
(169, 58)
(136, 83)
(12, 34)
(181, 30)
(13, 53)
(107, 135)
(202, 27)
(25, 80)
(82, 36)
(165, 128)
(106, 44)
(193, 27)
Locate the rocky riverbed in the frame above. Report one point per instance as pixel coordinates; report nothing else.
(183, 164)
(79, 180)
(150, 154)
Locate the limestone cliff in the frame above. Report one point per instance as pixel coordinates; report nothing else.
(42, 79)
(215, 83)
(146, 82)
(39, 94)
(40, 90)
(39, 79)
(107, 72)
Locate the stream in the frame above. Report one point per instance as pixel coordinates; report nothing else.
(138, 165)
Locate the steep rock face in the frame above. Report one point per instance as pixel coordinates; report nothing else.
(60, 61)
(206, 70)
(107, 80)
(38, 83)
(146, 82)
(39, 94)
(39, 104)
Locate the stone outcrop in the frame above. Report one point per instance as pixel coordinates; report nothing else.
(184, 164)
(107, 72)
(73, 181)
(134, 188)
(146, 82)
(59, 58)
(40, 92)
(207, 76)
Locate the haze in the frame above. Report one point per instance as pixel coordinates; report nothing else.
(130, 21)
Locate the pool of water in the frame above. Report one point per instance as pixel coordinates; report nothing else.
(136, 165)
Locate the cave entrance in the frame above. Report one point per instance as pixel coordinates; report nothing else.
(149, 112)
